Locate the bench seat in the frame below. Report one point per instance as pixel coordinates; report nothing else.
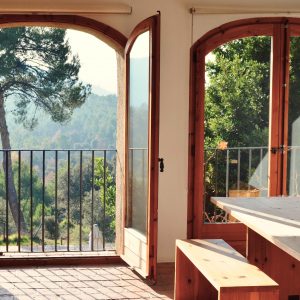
(211, 269)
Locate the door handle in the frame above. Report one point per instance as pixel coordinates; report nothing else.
(161, 164)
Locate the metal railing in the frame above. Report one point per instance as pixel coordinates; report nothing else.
(236, 166)
(57, 200)
(243, 172)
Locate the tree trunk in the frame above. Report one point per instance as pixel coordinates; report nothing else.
(7, 167)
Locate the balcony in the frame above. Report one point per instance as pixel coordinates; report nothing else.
(243, 172)
(60, 201)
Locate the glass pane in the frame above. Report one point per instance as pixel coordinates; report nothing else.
(293, 173)
(138, 134)
(236, 122)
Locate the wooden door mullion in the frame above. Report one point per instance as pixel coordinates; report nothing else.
(285, 104)
(277, 92)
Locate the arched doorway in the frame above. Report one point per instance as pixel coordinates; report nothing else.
(116, 40)
(244, 84)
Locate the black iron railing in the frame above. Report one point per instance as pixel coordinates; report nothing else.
(236, 167)
(57, 200)
(243, 172)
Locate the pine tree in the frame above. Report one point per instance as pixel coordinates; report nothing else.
(39, 70)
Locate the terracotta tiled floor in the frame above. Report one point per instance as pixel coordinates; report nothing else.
(112, 282)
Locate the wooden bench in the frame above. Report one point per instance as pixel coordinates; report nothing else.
(211, 269)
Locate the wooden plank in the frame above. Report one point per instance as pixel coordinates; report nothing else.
(277, 219)
(189, 282)
(222, 265)
(285, 108)
(154, 146)
(13, 262)
(245, 295)
(275, 120)
(135, 250)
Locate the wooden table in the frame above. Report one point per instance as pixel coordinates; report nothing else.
(273, 239)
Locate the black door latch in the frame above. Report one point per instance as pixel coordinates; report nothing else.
(279, 149)
(161, 164)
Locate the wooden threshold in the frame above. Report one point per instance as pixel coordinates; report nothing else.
(77, 259)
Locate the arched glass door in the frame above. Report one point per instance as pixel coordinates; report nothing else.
(243, 130)
(140, 211)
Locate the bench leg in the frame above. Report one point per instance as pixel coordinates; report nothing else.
(190, 284)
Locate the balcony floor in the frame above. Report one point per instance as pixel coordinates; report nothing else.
(105, 282)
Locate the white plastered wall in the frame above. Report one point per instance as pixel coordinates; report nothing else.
(176, 40)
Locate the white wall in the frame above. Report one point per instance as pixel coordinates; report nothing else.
(176, 39)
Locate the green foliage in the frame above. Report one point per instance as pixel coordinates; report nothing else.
(38, 68)
(74, 190)
(37, 191)
(105, 181)
(236, 108)
(237, 93)
(99, 132)
(101, 184)
(51, 231)
(13, 240)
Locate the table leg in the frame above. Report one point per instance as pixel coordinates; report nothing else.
(276, 263)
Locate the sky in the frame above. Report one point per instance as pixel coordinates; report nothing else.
(140, 48)
(98, 61)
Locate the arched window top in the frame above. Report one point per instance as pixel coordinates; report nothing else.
(239, 29)
(107, 34)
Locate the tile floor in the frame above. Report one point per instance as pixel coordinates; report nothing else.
(105, 282)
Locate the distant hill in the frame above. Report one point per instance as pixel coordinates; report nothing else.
(92, 126)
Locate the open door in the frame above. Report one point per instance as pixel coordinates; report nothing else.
(142, 115)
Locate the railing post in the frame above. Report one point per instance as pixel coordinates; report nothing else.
(227, 171)
(216, 171)
(104, 200)
(68, 204)
(92, 205)
(249, 167)
(31, 201)
(260, 169)
(43, 205)
(239, 169)
(80, 202)
(7, 198)
(55, 187)
(19, 202)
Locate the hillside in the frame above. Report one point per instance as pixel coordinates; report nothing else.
(93, 125)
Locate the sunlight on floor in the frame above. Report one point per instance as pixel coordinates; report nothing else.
(112, 282)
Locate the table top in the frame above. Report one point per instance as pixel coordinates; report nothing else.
(277, 219)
